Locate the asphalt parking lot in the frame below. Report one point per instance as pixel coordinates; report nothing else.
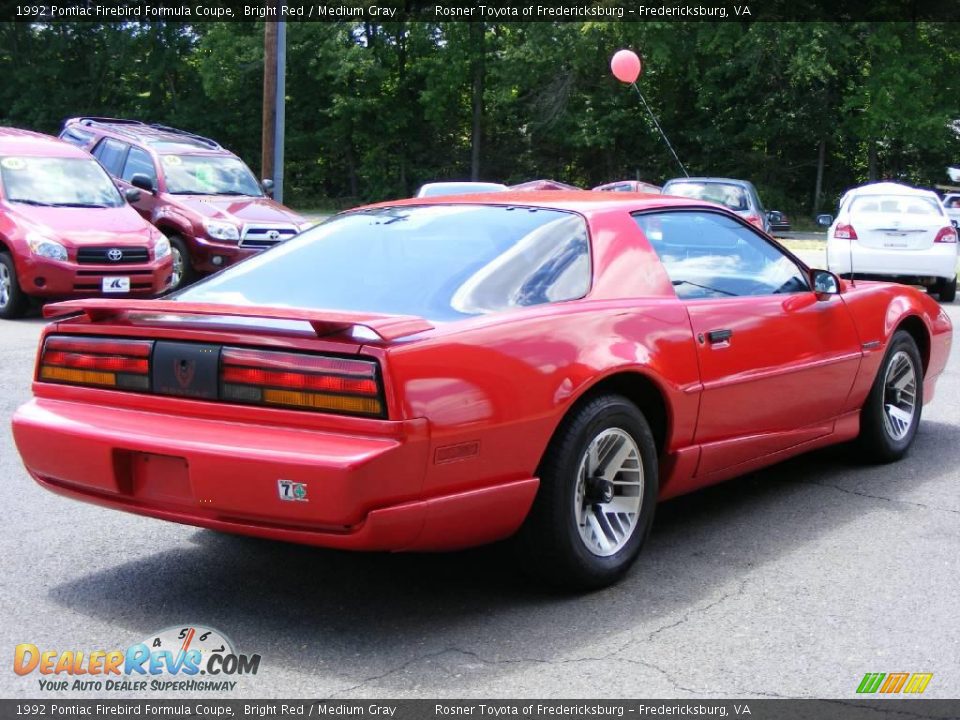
(791, 582)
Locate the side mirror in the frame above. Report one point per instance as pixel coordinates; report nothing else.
(955, 223)
(132, 195)
(824, 283)
(267, 185)
(824, 220)
(774, 216)
(139, 180)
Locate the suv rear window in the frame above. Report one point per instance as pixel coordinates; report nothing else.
(441, 262)
(731, 196)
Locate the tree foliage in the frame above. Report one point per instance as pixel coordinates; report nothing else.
(373, 110)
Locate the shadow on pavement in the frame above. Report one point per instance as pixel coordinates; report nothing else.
(346, 615)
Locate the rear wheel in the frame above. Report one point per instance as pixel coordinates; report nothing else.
(598, 491)
(947, 290)
(182, 273)
(891, 414)
(13, 301)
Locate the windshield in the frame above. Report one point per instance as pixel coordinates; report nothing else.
(731, 196)
(58, 181)
(441, 262)
(895, 204)
(208, 175)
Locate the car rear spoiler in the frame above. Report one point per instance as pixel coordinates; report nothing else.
(324, 322)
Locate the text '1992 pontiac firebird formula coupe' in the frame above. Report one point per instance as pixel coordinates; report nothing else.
(434, 374)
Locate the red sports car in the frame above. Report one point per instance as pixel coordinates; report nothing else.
(432, 374)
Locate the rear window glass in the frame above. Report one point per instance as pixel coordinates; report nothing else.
(895, 204)
(731, 196)
(441, 262)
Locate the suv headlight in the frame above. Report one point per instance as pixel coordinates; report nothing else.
(303, 227)
(161, 248)
(221, 230)
(45, 247)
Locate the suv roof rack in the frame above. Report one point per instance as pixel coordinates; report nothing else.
(138, 127)
(176, 131)
(93, 120)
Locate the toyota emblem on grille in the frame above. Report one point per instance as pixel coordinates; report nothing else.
(114, 255)
(274, 234)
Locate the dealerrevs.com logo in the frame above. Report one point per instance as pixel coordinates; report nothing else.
(188, 658)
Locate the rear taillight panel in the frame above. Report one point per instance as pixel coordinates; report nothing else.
(282, 379)
(845, 232)
(101, 362)
(279, 379)
(946, 235)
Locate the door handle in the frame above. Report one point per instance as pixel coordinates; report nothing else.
(719, 336)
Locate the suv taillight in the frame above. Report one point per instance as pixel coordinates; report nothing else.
(946, 235)
(755, 220)
(294, 380)
(103, 362)
(845, 232)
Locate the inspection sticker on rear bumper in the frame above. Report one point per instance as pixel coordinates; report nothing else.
(292, 491)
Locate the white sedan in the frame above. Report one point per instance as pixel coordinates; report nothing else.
(889, 231)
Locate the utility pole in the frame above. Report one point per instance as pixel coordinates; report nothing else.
(280, 104)
(267, 156)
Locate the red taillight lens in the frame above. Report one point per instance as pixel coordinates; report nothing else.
(755, 220)
(845, 232)
(946, 235)
(104, 362)
(267, 377)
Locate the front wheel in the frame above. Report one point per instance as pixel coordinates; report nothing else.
(891, 413)
(182, 273)
(598, 492)
(13, 301)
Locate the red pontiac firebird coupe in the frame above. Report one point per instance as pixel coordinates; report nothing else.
(433, 374)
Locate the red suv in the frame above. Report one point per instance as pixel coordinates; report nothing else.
(65, 229)
(201, 196)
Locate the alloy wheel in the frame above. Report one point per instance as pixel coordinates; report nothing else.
(609, 492)
(899, 395)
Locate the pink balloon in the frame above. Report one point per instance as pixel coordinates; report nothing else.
(626, 66)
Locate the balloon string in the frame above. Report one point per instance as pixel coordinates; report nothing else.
(662, 133)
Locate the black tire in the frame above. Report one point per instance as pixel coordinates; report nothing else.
(13, 301)
(550, 540)
(947, 290)
(188, 275)
(878, 438)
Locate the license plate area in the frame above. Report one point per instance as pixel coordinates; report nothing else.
(115, 284)
(186, 369)
(154, 478)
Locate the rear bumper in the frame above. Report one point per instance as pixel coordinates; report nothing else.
(939, 261)
(41, 277)
(363, 492)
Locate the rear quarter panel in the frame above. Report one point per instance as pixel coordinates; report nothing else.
(495, 394)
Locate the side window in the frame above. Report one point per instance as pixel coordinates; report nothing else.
(139, 162)
(709, 255)
(111, 154)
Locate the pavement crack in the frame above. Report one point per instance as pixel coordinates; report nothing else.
(878, 497)
(699, 610)
(615, 653)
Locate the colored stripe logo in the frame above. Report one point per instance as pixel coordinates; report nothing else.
(893, 683)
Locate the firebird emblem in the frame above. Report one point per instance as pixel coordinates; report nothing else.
(183, 370)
